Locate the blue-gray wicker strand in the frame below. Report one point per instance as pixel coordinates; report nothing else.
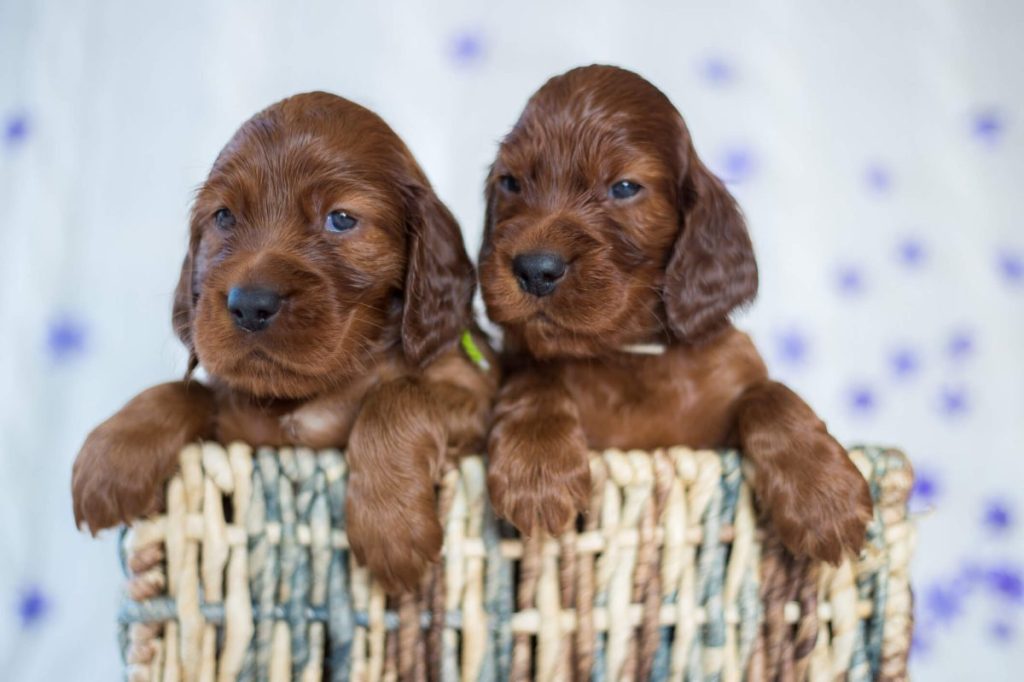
(300, 580)
(712, 524)
(881, 460)
(497, 602)
(270, 574)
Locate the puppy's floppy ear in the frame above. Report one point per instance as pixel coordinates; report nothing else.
(185, 296)
(712, 269)
(489, 198)
(439, 279)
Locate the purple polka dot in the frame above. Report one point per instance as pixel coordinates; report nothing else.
(1002, 631)
(65, 338)
(920, 643)
(878, 179)
(467, 47)
(738, 165)
(849, 280)
(942, 604)
(15, 129)
(925, 491)
(953, 401)
(987, 126)
(960, 345)
(998, 516)
(861, 400)
(911, 252)
(1006, 582)
(33, 606)
(904, 363)
(717, 71)
(1011, 267)
(791, 347)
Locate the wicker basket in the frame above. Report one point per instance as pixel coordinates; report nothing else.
(248, 577)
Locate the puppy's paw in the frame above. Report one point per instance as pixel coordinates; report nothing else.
(539, 477)
(822, 507)
(118, 477)
(396, 542)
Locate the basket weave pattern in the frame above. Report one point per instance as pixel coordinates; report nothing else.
(247, 576)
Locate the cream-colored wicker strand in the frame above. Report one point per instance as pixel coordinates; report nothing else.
(190, 619)
(217, 481)
(820, 668)
(474, 618)
(156, 669)
(146, 579)
(361, 602)
(673, 524)
(455, 564)
(175, 543)
(567, 561)
(685, 463)
(549, 634)
(376, 633)
(843, 597)
(238, 623)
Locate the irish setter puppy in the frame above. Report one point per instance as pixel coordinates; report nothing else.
(612, 258)
(325, 293)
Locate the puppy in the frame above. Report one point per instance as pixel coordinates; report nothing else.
(325, 292)
(605, 235)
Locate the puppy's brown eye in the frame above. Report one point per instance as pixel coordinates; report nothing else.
(624, 189)
(509, 184)
(339, 221)
(224, 218)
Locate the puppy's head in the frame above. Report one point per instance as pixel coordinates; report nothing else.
(603, 227)
(316, 243)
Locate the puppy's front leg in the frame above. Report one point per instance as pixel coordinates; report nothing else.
(538, 471)
(394, 455)
(121, 469)
(817, 499)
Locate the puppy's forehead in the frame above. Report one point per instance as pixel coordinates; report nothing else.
(595, 115)
(315, 133)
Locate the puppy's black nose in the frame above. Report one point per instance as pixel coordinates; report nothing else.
(253, 308)
(538, 272)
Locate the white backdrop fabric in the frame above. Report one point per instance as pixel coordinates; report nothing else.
(876, 148)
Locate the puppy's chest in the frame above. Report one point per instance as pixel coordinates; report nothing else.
(648, 403)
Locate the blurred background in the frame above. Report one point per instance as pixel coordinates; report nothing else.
(876, 148)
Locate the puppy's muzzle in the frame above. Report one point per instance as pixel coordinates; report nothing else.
(538, 272)
(253, 308)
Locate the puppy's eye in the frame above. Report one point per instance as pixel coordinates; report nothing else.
(509, 184)
(224, 218)
(339, 221)
(624, 189)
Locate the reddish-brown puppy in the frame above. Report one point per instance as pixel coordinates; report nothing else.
(604, 230)
(324, 292)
